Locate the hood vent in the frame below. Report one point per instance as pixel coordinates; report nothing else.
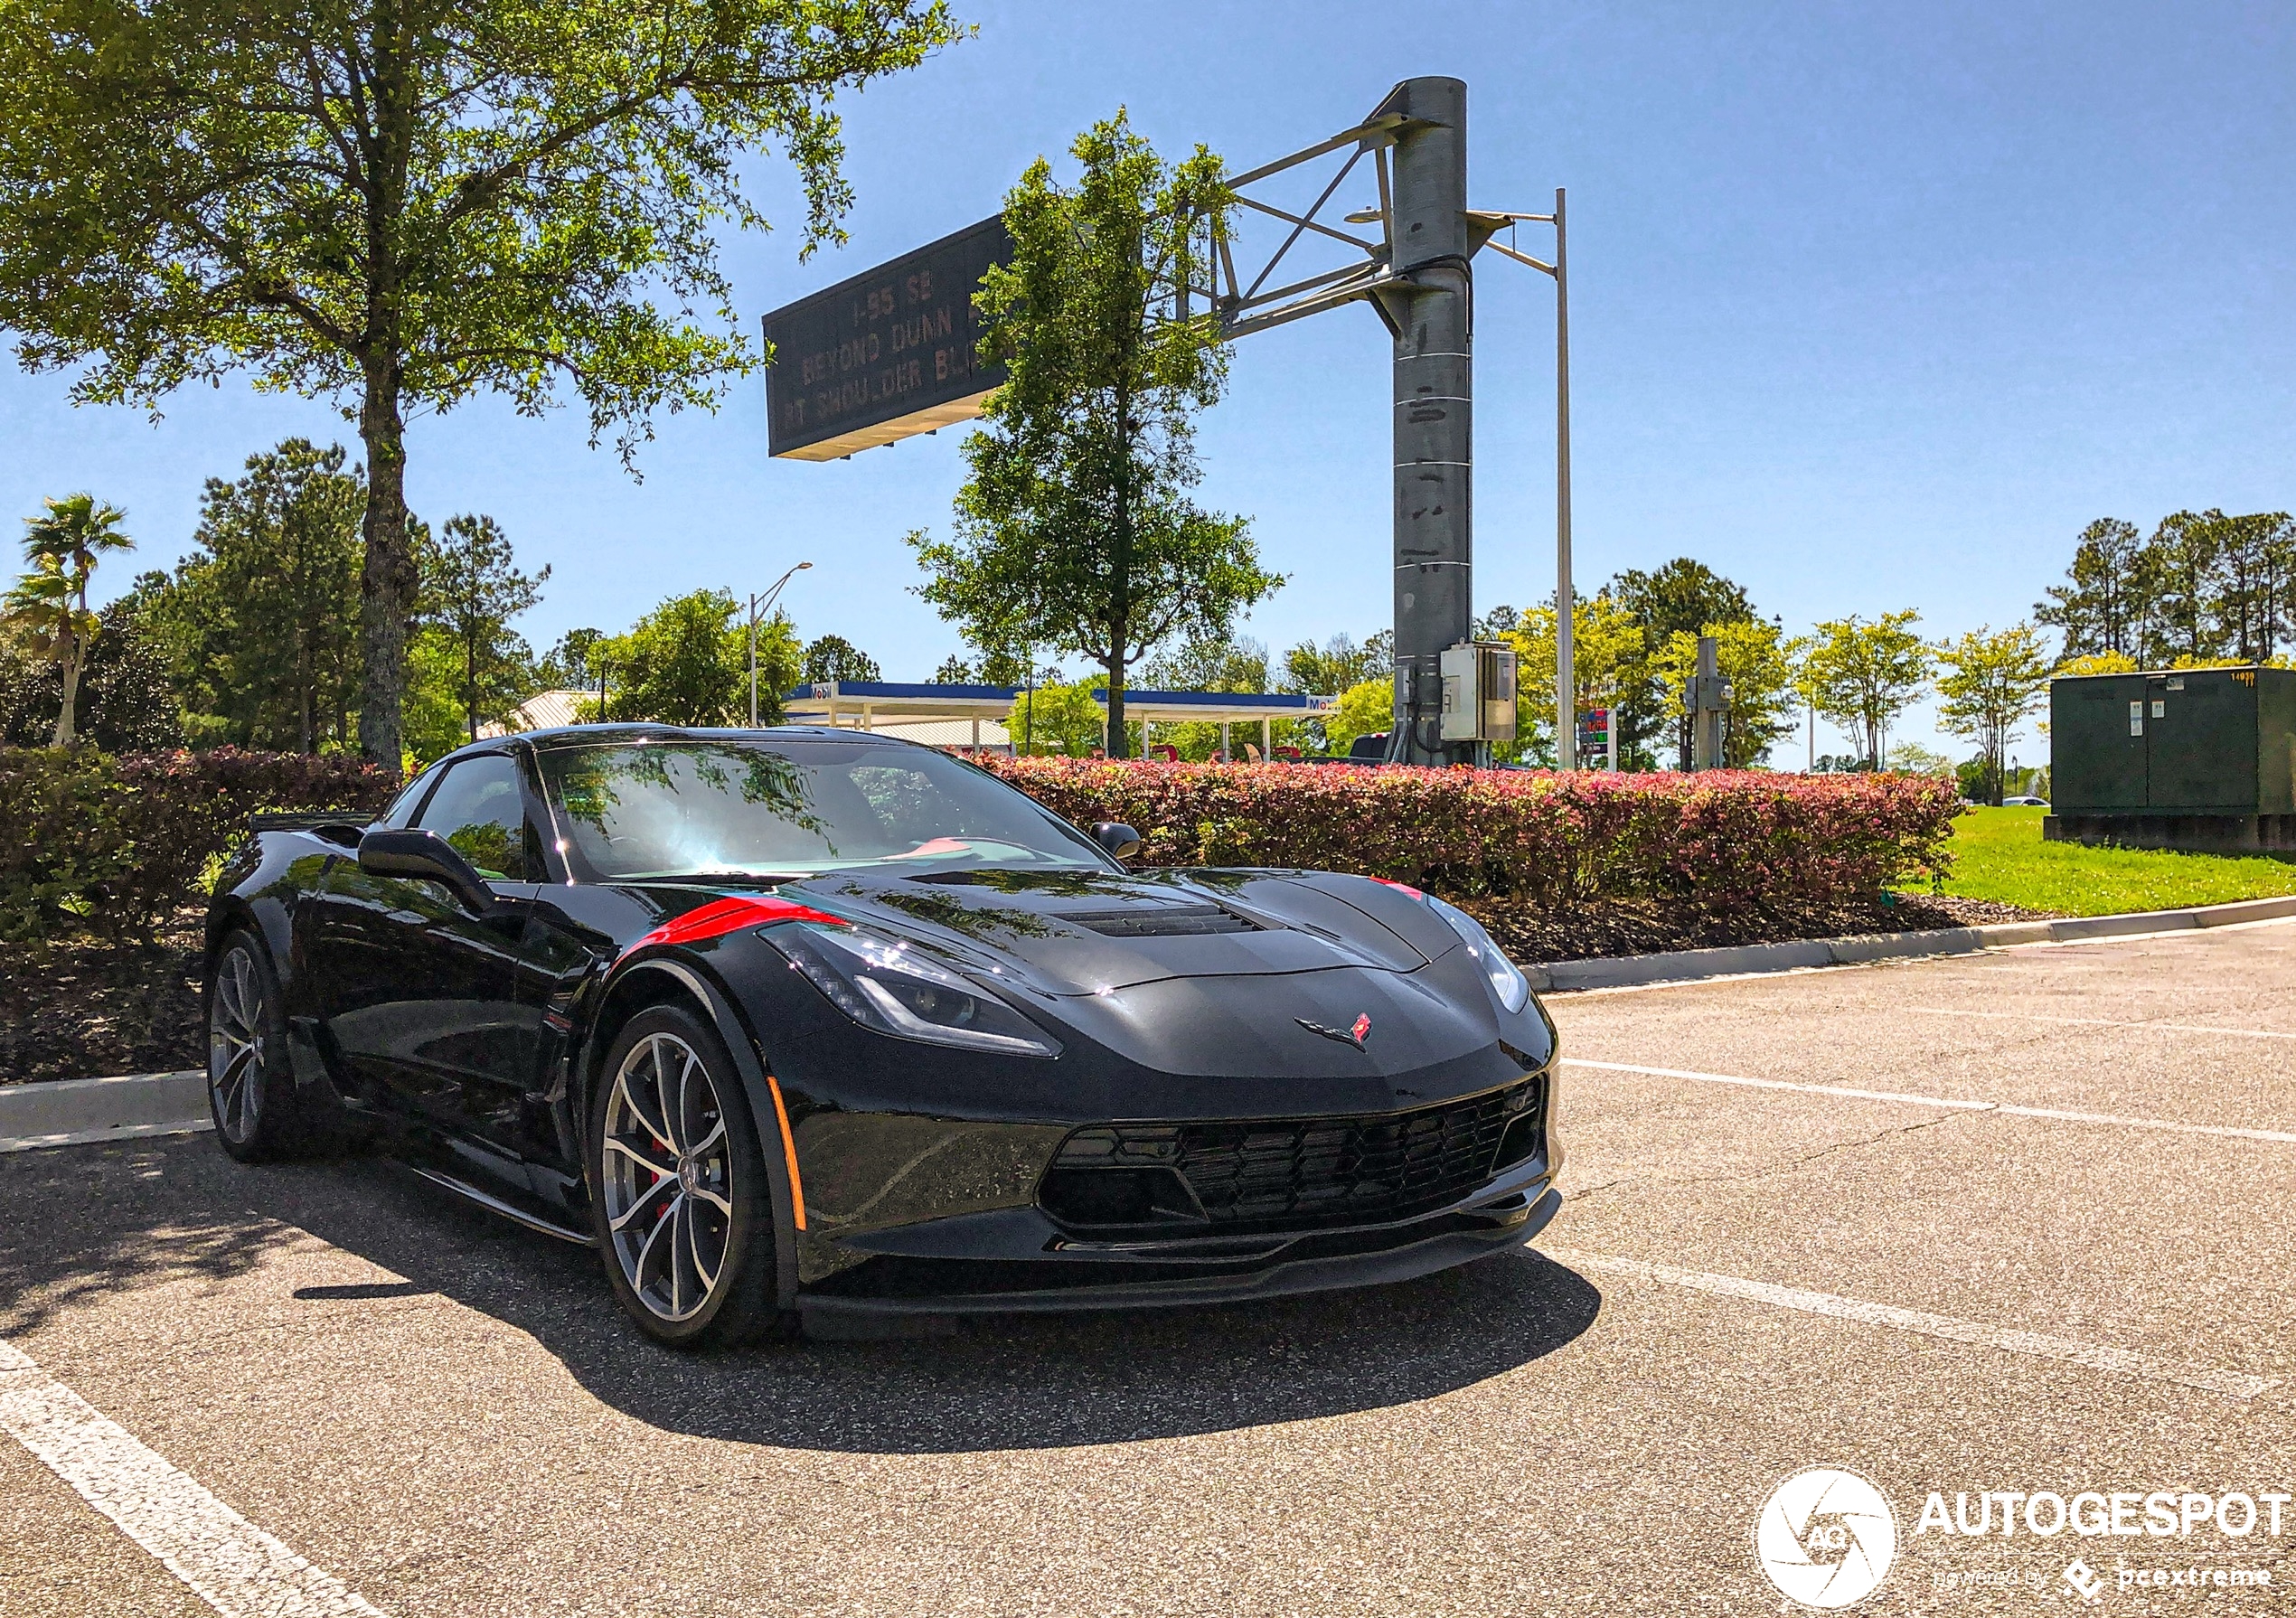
(1160, 921)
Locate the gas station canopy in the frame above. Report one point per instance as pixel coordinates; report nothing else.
(882, 705)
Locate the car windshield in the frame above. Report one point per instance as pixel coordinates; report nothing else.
(658, 809)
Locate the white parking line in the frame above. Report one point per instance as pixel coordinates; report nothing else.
(1950, 1103)
(229, 1563)
(2173, 1028)
(2121, 1361)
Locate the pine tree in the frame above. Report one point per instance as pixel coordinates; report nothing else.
(471, 589)
(2106, 603)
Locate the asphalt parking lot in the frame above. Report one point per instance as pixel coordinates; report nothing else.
(2016, 1222)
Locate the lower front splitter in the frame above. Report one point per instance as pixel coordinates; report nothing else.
(1402, 1263)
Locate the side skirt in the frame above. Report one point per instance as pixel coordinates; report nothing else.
(496, 1205)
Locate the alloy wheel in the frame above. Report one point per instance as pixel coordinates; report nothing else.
(235, 1033)
(668, 1176)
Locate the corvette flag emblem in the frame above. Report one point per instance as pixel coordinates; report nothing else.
(1354, 1035)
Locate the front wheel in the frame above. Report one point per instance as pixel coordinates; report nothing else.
(682, 1210)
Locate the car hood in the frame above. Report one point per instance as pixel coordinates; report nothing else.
(1089, 933)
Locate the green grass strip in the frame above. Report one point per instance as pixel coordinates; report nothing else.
(1998, 854)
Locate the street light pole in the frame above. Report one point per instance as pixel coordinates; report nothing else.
(1566, 600)
(1566, 659)
(758, 605)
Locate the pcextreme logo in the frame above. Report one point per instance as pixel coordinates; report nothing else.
(1826, 1537)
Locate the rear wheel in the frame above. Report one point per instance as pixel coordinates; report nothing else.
(250, 1083)
(682, 1209)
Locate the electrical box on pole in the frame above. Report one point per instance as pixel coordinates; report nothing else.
(1478, 692)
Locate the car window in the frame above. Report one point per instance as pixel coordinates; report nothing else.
(794, 806)
(402, 807)
(909, 806)
(480, 809)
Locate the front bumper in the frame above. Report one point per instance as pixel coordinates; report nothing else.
(1015, 1261)
(922, 1172)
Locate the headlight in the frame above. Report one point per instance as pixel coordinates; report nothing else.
(885, 984)
(1506, 981)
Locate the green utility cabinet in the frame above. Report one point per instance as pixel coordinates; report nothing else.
(2193, 758)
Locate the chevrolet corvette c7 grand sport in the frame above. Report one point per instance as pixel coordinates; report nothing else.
(800, 1023)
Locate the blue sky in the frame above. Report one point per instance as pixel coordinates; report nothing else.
(1873, 307)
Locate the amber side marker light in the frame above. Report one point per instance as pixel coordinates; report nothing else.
(789, 1153)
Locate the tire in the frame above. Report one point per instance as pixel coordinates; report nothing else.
(260, 1114)
(680, 1203)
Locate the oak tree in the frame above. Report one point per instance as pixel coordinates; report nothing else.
(834, 657)
(396, 204)
(1075, 528)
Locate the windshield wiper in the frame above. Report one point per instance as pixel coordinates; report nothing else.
(762, 879)
(967, 873)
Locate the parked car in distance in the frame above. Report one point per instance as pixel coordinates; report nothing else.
(2027, 802)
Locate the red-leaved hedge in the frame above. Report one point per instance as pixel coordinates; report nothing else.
(95, 844)
(1723, 844)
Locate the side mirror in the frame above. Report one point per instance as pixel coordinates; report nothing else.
(424, 856)
(1119, 839)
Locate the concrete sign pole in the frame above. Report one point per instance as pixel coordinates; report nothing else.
(1432, 313)
(1709, 699)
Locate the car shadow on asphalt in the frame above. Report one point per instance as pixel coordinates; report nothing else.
(1008, 1382)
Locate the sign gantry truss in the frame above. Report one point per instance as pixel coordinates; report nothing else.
(890, 354)
(1246, 307)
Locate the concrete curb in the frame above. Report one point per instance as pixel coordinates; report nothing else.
(80, 1112)
(1688, 966)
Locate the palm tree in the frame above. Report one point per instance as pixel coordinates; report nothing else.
(48, 609)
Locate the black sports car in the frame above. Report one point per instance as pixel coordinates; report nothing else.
(800, 1022)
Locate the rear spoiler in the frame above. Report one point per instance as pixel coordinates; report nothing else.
(342, 826)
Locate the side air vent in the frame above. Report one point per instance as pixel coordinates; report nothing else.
(1161, 921)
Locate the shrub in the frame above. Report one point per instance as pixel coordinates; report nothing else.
(1723, 844)
(102, 844)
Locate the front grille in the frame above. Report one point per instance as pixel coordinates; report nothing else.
(1162, 921)
(1293, 1173)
